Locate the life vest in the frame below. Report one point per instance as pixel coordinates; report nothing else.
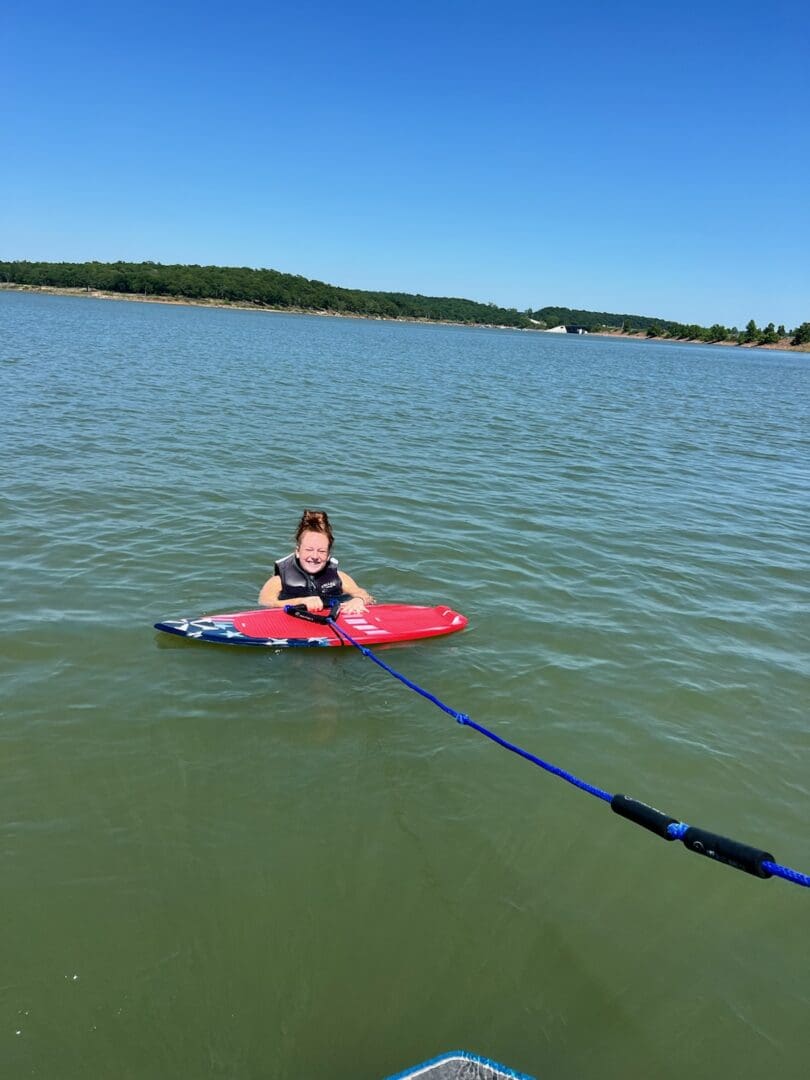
(295, 581)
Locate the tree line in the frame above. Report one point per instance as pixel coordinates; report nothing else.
(262, 288)
(271, 288)
(594, 321)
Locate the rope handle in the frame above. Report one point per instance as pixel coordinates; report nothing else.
(301, 611)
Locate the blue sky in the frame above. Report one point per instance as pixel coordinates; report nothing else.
(627, 157)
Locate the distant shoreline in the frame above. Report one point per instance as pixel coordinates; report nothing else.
(239, 305)
(783, 345)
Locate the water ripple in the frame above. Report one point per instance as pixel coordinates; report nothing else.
(625, 526)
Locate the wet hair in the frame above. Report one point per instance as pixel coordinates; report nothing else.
(315, 521)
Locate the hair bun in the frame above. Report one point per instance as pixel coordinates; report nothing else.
(315, 521)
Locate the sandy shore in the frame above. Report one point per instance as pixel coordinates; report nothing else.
(184, 301)
(783, 345)
(96, 294)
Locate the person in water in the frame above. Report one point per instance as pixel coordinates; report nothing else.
(310, 575)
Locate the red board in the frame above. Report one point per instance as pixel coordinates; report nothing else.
(378, 625)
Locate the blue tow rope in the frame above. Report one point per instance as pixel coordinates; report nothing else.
(719, 848)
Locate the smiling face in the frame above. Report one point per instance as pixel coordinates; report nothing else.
(313, 551)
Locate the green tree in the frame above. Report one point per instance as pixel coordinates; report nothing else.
(801, 335)
(768, 336)
(716, 333)
(751, 331)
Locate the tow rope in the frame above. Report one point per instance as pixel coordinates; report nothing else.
(719, 848)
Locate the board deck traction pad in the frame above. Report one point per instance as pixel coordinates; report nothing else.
(274, 628)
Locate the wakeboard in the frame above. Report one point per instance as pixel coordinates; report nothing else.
(380, 624)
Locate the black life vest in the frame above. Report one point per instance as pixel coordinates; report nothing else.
(295, 581)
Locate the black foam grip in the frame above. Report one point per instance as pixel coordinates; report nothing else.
(730, 852)
(645, 816)
(301, 611)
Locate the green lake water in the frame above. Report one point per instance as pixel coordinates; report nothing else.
(239, 863)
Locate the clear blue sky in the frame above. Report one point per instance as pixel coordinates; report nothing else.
(627, 157)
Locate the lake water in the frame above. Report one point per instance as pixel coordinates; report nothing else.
(241, 863)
